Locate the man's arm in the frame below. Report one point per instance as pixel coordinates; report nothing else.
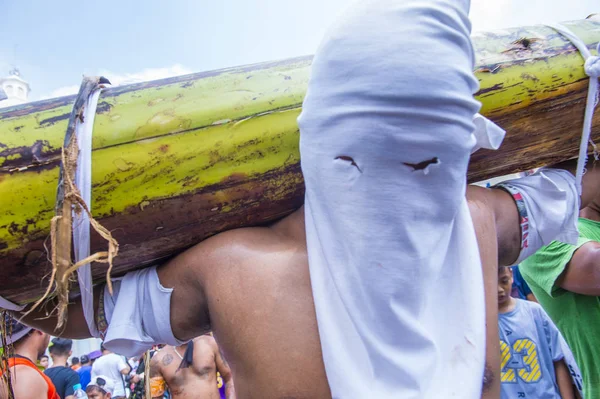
(157, 382)
(484, 223)
(505, 218)
(124, 366)
(225, 371)
(563, 379)
(531, 297)
(184, 273)
(582, 273)
(506, 215)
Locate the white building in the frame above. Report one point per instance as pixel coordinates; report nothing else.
(15, 88)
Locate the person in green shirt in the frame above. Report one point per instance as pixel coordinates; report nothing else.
(566, 281)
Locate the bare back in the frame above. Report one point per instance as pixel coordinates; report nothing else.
(197, 381)
(257, 299)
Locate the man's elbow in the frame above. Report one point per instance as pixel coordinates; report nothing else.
(582, 276)
(488, 380)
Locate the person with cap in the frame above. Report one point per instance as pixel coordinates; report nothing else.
(28, 344)
(112, 365)
(63, 377)
(94, 355)
(85, 371)
(101, 387)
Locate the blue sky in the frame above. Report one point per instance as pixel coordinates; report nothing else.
(55, 42)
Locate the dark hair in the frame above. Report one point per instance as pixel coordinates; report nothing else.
(75, 360)
(85, 359)
(43, 356)
(102, 347)
(60, 346)
(95, 388)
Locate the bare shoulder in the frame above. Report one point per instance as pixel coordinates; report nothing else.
(240, 246)
(232, 243)
(155, 362)
(27, 383)
(207, 341)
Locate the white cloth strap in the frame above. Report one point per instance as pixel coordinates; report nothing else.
(9, 305)
(592, 69)
(81, 221)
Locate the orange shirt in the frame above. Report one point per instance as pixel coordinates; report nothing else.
(22, 361)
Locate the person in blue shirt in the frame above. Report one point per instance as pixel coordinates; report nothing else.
(520, 289)
(85, 371)
(536, 361)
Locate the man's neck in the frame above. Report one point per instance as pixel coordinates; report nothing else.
(507, 306)
(182, 348)
(59, 361)
(27, 351)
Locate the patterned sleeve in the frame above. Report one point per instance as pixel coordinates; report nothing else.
(545, 267)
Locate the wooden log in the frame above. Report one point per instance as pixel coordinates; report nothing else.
(178, 160)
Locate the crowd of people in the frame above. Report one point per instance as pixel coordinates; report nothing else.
(393, 280)
(193, 370)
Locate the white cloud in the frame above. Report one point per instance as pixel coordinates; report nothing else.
(118, 79)
(145, 75)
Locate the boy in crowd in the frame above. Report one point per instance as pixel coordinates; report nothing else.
(85, 371)
(535, 359)
(63, 378)
(43, 362)
(115, 367)
(101, 387)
